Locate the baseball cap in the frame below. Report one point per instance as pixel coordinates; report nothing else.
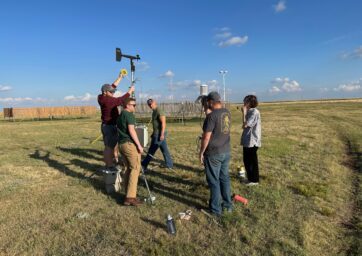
(108, 88)
(214, 96)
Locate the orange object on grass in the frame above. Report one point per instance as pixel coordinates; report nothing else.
(241, 199)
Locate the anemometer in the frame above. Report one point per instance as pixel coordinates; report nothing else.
(119, 56)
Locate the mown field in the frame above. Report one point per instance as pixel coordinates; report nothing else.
(308, 202)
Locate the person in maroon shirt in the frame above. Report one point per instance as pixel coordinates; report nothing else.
(109, 109)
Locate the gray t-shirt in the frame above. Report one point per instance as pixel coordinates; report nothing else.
(218, 122)
(252, 133)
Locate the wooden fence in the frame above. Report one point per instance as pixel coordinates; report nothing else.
(49, 112)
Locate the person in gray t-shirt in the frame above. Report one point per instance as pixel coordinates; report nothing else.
(215, 154)
(251, 138)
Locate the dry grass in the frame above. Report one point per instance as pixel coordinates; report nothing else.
(307, 204)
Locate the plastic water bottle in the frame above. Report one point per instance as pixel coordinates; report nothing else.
(171, 227)
(241, 171)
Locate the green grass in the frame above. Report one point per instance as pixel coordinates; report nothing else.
(308, 203)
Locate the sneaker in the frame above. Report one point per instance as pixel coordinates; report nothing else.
(132, 202)
(249, 184)
(165, 167)
(228, 210)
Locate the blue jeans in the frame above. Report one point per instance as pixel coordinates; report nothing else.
(217, 176)
(155, 144)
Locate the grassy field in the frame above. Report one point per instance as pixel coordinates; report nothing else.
(308, 202)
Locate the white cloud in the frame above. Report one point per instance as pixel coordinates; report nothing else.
(223, 35)
(223, 29)
(87, 97)
(324, 89)
(274, 89)
(235, 40)
(168, 74)
(142, 66)
(186, 84)
(355, 54)
(195, 83)
(347, 87)
(213, 85)
(18, 99)
(12, 100)
(4, 88)
(284, 85)
(180, 84)
(226, 38)
(70, 98)
(292, 86)
(350, 87)
(84, 98)
(280, 7)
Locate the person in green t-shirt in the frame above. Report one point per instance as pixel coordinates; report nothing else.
(131, 150)
(158, 138)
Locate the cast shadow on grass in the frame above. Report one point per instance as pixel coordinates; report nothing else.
(178, 166)
(87, 166)
(83, 152)
(178, 191)
(174, 179)
(63, 168)
(154, 223)
(175, 194)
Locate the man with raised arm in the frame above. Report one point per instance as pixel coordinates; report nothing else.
(109, 110)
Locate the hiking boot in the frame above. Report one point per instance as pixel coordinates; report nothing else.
(132, 202)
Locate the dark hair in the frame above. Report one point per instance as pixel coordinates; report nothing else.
(127, 101)
(252, 100)
(149, 101)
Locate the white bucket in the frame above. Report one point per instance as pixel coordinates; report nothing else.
(204, 89)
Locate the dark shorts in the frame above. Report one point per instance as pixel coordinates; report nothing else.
(110, 135)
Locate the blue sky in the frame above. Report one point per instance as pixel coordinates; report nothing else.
(61, 52)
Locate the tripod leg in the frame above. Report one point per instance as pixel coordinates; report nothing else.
(148, 188)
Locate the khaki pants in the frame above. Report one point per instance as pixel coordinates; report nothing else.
(133, 162)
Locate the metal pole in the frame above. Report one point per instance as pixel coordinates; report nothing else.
(133, 69)
(223, 78)
(223, 73)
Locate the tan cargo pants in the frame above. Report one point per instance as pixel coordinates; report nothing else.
(133, 162)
